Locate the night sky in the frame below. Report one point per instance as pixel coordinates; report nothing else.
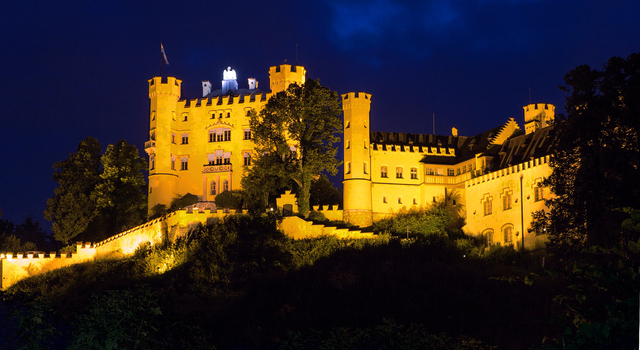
(69, 69)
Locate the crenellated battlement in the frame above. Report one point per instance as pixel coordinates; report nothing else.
(252, 100)
(355, 99)
(281, 76)
(171, 87)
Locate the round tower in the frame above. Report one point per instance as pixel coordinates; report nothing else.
(281, 76)
(357, 159)
(163, 178)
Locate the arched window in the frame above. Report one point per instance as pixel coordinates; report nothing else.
(383, 171)
(225, 186)
(488, 233)
(507, 230)
(414, 173)
(213, 190)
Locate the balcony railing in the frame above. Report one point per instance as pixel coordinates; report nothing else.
(220, 168)
(149, 144)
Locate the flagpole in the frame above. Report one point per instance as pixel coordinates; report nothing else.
(161, 54)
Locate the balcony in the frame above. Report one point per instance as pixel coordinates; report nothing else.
(219, 168)
(150, 147)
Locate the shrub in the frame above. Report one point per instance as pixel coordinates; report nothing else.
(230, 199)
(317, 216)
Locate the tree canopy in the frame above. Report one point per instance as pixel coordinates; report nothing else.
(294, 135)
(97, 195)
(596, 165)
(71, 209)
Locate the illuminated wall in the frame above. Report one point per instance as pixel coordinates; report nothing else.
(200, 145)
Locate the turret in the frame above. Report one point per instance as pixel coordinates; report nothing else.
(357, 159)
(281, 76)
(538, 116)
(163, 179)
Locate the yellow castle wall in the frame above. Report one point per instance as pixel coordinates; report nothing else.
(171, 118)
(495, 185)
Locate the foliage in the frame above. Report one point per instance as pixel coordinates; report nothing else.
(294, 135)
(26, 236)
(120, 195)
(596, 164)
(71, 209)
(27, 322)
(233, 199)
(451, 202)
(387, 335)
(417, 221)
(157, 211)
(180, 202)
(323, 192)
(317, 216)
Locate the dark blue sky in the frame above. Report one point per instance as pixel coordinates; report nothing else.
(74, 69)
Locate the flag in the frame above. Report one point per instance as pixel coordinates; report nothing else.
(163, 54)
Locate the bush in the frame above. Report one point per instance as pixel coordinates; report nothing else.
(230, 199)
(317, 216)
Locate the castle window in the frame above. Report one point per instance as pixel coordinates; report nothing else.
(228, 115)
(508, 234)
(213, 188)
(227, 135)
(506, 200)
(152, 163)
(415, 201)
(365, 144)
(153, 115)
(464, 169)
(225, 186)
(383, 172)
(439, 172)
(487, 206)
(173, 138)
(488, 233)
(247, 134)
(348, 168)
(429, 171)
(458, 171)
(348, 144)
(365, 168)
(414, 173)
(538, 193)
(247, 158)
(150, 189)
(185, 139)
(153, 135)
(220, 114)
(184, 164)
(399, 200)
(451, 172)
(384, 199)
(173, 163)
(186, 117)
(226, 157)
(348, 125)
(398, 173)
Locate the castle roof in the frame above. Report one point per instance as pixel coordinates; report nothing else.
(236, 92)
(216, 96)
(521, 148)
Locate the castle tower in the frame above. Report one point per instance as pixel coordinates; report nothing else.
(281, 76)
(161, 147)
(357, 159)
(538, 116)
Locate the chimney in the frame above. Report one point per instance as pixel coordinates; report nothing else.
(454, 132)
(253, 83)
(206, 88)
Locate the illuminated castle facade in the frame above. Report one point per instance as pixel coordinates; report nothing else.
(496, 174)
(199, 146)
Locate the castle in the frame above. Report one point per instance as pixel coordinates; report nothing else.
(200, 145)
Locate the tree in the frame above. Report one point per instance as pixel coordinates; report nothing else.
(71, 209)
(120, 196)
(596, 165)
(233, 199)
(323, 192)
(294, 135)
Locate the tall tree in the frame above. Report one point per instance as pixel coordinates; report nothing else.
(71, 209)
(120, 196)
(294, 135)
(596, 165)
